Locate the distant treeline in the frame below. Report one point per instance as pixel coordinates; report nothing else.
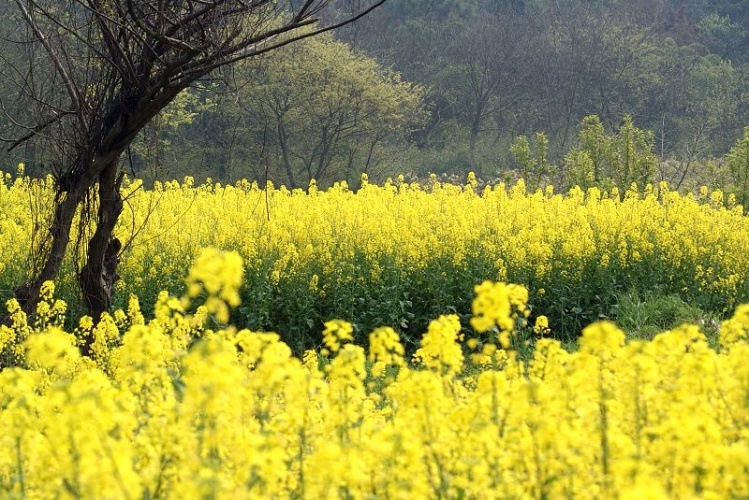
(497, 69)
(497, 87)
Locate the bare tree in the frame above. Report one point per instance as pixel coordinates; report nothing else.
(491, 75)
(97, 71)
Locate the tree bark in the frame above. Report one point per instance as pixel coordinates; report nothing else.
(473, 138)
(99, 273)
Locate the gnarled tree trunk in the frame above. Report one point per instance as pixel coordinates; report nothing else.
(103, 249)
(99, 274)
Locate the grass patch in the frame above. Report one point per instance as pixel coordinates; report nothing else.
(643, 316)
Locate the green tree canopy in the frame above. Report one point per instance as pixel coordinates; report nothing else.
(611, 160)
(318, 110)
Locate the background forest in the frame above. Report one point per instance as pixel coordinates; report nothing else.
(563, 92)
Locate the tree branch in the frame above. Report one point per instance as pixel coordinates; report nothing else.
(246, 52)
(66, 78)
(39, 128)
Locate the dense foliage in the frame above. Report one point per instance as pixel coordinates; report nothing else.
(499, 69)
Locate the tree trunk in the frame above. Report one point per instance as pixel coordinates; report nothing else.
(99, 273)
(284, 154)
(478, 113)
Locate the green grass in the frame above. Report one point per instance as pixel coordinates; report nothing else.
(643, 316)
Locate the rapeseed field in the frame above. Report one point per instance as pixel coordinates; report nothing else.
(360, 394)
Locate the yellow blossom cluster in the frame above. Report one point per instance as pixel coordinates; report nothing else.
(337, 331)
(170, 408)
(218, 275)
(500, 306)
(402, 245)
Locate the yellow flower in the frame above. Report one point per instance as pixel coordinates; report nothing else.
(218, 274)
(542, 326)
(498, 304)
(440, 350)
(602, 338)
(337, 331)
(53, 350)
(385, 349)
